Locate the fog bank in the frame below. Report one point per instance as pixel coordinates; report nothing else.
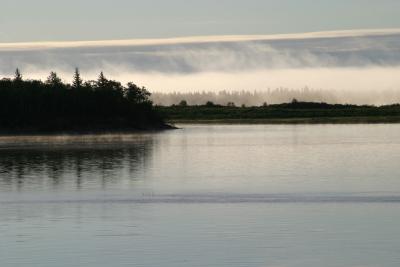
(357, 66)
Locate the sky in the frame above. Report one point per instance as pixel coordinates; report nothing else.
(60, 20)
(186, 45)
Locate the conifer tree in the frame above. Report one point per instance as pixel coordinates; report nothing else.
(101, 81)
(53, 79)
(18, 76)
(77, 81)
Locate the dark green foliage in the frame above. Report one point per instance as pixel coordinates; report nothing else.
(183, 103)
(102, 81)
(77, 81)
(136, 94)
(54, 81)
(318, 112)
(18, 76)
(210, 104)
(106, 105)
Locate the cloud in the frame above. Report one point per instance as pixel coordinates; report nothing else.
(218, 53)
(345, 60)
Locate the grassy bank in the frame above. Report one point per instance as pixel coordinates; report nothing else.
(338, 120)
(288, 113)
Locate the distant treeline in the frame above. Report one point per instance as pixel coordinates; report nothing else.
(280, 95)
(239, 98)
(52, 105)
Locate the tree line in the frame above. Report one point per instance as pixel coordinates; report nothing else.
(101, 104)
(371, 96)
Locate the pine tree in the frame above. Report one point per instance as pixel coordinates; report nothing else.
(18, 76)
(101, 81)
(77, 81)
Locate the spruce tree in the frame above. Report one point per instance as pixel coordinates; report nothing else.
(18, 76)
(77, 81)
(102, 81)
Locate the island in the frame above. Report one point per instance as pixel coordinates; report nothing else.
(103, 105)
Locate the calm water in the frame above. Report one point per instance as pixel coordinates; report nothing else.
(262, 196)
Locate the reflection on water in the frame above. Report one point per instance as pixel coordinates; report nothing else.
(229, 196)
(274, 160)
(71, 161)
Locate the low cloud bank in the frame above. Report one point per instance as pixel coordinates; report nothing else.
(356, 66)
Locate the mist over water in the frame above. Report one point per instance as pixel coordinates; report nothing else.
(361, 67)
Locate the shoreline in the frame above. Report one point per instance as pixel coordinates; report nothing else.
(103, 131)
(291, 121)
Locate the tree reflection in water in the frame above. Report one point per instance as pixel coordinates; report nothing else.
(73, 162)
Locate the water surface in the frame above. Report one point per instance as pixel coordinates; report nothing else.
(204, 195)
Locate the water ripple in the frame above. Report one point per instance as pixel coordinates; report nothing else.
(212, 199)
